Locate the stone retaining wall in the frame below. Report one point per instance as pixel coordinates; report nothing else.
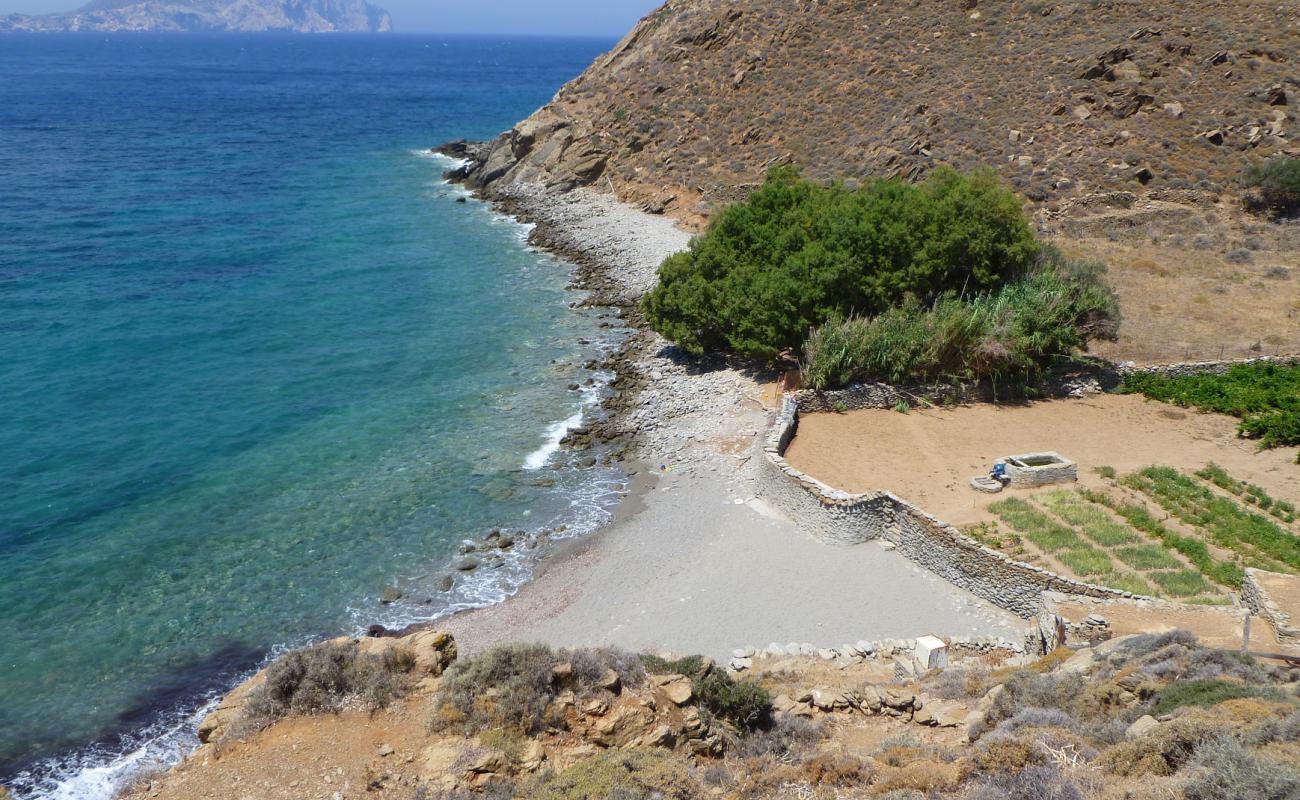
(1196, 367)
(840, 517)
(1256, 598)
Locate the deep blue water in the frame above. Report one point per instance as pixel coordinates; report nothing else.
(256, 363)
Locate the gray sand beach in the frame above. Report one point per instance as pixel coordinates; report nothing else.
(697, 561)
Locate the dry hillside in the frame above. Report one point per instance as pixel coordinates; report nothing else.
(1165, 102)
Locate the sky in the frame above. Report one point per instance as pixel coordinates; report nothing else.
(543, 17)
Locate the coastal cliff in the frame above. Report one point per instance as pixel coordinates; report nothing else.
(298, 16)
(688, 111)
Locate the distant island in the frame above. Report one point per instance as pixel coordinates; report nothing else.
(299, 16)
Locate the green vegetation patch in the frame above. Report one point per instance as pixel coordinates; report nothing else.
(1181, 583)
(935, 281)
(1007, 337)
(1037, 527)
(1086, 561)
(1250, 493)
(797, 253)
(1204, 693)
(1228, 524)
(1264, 395)
(636, 774)
(1147, 556)
(1274, 185)
(1095, 523)
(1195, 550)
(1127, 582)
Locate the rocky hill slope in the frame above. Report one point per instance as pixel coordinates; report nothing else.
(1126, 125)
(301, 16)
(1062, 97)
(1137, 717)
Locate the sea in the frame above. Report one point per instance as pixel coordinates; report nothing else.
(259, 363)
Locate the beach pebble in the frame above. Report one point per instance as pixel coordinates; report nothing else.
(743, 652)
(467, 564)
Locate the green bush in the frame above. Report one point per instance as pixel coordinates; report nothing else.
(796, 254)
(1275, 185)
(744, 704)
(1230, 525)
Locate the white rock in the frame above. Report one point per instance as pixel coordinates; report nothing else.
(743, 652)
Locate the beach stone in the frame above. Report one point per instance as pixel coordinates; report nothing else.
(506, 542)
(446, 583)
(467, 564)
(391, 595)
(864, 647)
(828, 653)
(741, 664)
(743, 652)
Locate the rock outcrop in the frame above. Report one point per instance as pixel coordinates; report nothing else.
(300, 16)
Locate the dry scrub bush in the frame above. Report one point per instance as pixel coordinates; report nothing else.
(788, 737)
(1031, 783)
(1164, 750)
(325, 678)
(1223, 769)
(512, 686)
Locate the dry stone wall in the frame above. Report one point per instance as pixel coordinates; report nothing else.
(1185, 368)
(1255, 596)
(840, 517)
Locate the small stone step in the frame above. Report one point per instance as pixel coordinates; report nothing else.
(983, 483)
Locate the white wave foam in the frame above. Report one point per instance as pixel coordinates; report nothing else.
(99, 772)
(451, 162)
(554, 435)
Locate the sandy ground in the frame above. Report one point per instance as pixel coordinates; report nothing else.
(927, 456)
(1214, 626)
(706, 567)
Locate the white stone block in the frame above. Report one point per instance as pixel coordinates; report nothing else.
(931, 652)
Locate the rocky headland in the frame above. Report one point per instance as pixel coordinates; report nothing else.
(297, 16)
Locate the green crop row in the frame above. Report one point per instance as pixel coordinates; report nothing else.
(1228, 524)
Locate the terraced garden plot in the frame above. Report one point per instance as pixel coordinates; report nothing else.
(1255, 538)
(1248, 492)
(1078, 534)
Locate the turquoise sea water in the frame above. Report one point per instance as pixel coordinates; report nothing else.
(256, 364)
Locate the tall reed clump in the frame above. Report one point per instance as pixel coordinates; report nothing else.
(1007, 337)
